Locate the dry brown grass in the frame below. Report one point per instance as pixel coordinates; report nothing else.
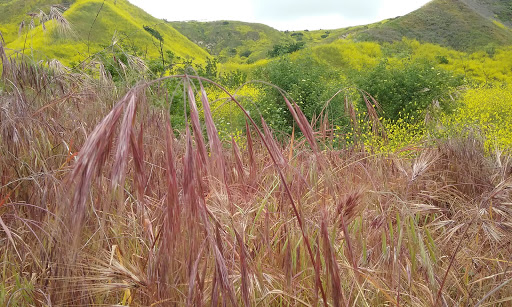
(102, 204)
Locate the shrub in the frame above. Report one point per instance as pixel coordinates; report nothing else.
(308, 82)
(407, 90)
(245, 54)
(279, 50)
(487, 109)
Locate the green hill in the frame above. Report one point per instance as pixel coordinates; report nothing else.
(95, 24)
(499, 10)
(245, 42)
(15, 11)
(459, 24)
(248, 42)
(466, 25)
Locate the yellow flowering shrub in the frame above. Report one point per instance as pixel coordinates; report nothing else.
(229, 118)
(398, 135)
(490, 111)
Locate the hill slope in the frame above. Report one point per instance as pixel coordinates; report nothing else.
(15, 11)
(228, 39)
(500, 10)
(460, 24)
(450, 23)
(96, 24)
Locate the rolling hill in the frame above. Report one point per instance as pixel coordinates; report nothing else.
(460, 24)
(465, 25)
(95, 24)
(245, 42)
(233, 39)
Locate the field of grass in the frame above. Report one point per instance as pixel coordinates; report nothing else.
(102, 202)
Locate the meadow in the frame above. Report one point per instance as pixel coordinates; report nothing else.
(346, 174)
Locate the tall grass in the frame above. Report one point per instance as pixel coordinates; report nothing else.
(103, 203)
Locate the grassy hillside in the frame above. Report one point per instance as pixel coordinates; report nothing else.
(450, 23)
(500, 10)
(15, 11)
(117, 21)
(233, 39)
(467, 25)
(244, 42)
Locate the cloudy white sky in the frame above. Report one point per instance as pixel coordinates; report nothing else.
(283, 14)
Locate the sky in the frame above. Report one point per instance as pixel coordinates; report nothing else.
(283, 14)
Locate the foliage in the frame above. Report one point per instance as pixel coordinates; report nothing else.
(102, 204)
(228, 117)
(407, 90)
(486, 109)
(252, 40)
(119, 64)
(349, 55)
(480, 67)
(306, 81)
(209, 70)
(154, 33)
(278, 49)
(233, 79)
(400, 134)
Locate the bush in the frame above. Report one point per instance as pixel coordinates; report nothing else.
(245, 54)
(406, 91)
(487, 109)
(308, 82)
(279, 50)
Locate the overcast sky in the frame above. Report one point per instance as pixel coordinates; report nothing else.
(283, 14)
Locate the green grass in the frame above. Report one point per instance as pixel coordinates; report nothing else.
(14, 12)
(119, 20)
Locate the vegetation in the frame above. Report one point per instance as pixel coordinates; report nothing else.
(95, 24)
(149, 172)
(406, 91)
(449, 23)
(232, 40)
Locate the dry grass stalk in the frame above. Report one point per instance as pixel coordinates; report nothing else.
(180, 239)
